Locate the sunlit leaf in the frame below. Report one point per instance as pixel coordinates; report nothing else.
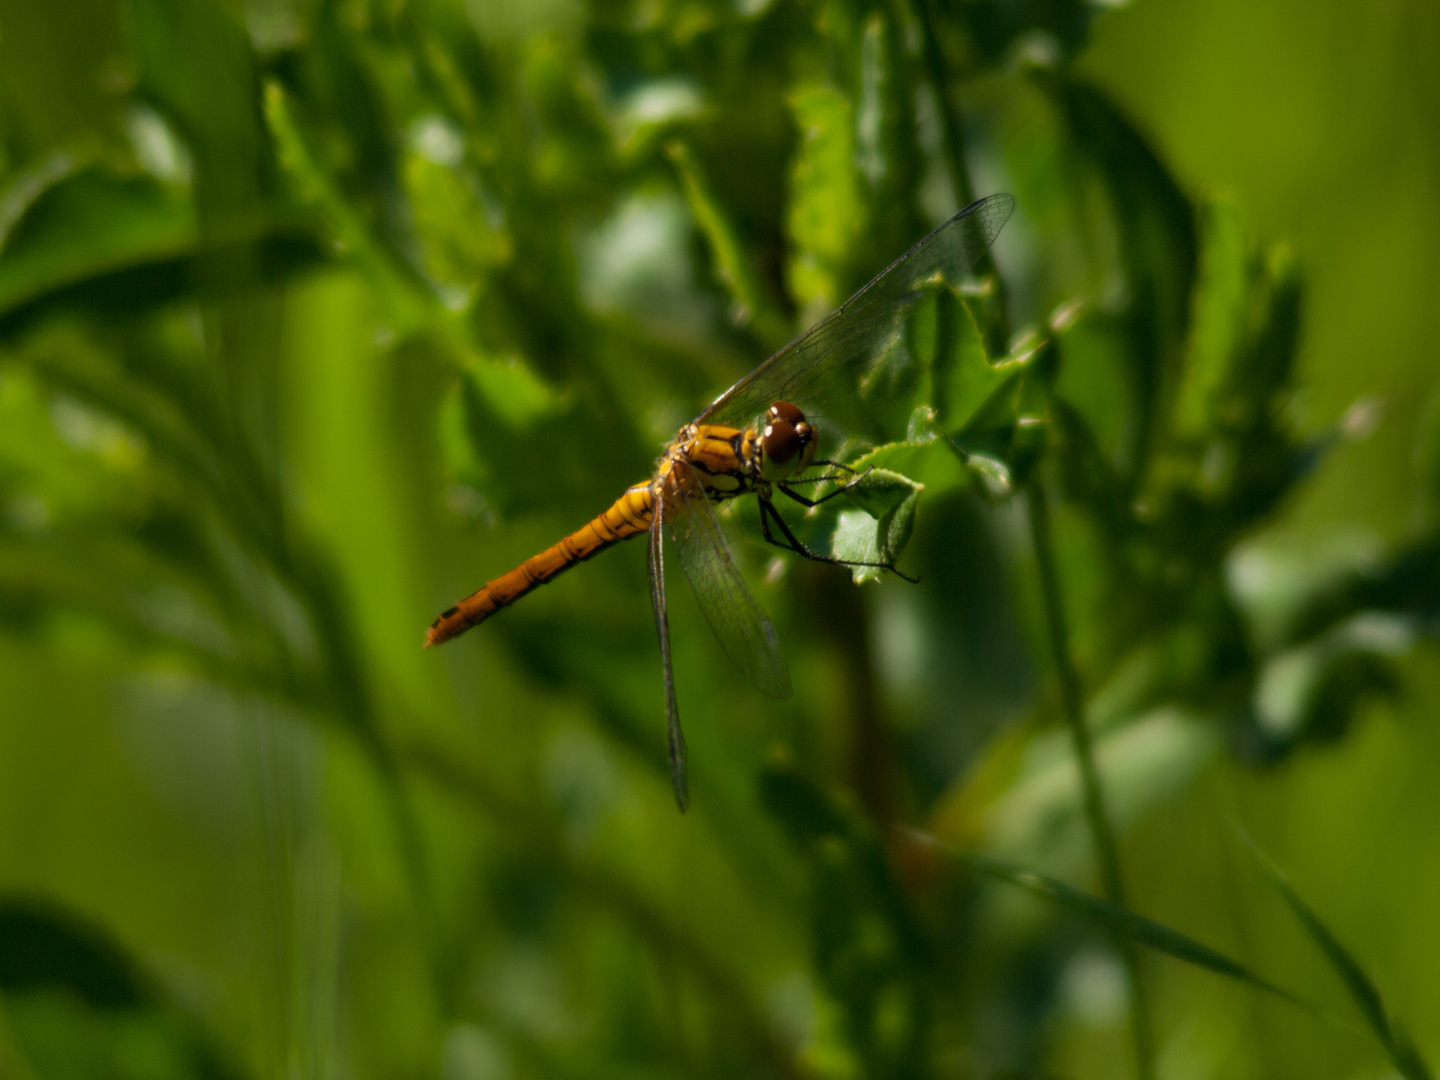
(879, 534)
(750, 305)
(827, 214)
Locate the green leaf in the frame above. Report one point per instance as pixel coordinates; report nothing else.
(1227, 275)
(78, 1004)
(827, 212)
(515, 393)
(413, 300)
(28, 185)
(879, 491)
(879, 534)
(90, 225)
(886, 153)
(1155, 225)
(985, 302)
(459, 226)
(1095, 380)
(1363, 992)
(149, 285)
(41, 946)
(1117, 920)
(961, 376)
(1314, 690)
(1242, 341)
(1004, 437)
(924, 458)
(751, 306)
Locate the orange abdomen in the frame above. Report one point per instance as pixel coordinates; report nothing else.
(630, 515)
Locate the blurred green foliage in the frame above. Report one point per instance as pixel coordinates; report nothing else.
(316, 314)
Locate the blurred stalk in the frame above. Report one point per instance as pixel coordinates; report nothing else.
(951, 137)
(844, 622)
(1073, 706)
(952, 146)
(544, 839)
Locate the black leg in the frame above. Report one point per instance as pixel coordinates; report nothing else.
(785, 485)
(829, 477)
(792, 543)
(803, 501)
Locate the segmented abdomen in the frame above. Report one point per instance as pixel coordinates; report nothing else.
(628, 516)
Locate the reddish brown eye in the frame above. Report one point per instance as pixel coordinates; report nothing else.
(780, 441)
(783, 410)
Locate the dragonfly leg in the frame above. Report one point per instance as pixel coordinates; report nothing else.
(792, 543)
(828, 478)
(811, 503)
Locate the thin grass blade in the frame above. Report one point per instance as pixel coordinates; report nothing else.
(1118, 920)
(1403, 1053)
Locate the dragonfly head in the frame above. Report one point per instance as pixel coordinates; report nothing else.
(788, 442)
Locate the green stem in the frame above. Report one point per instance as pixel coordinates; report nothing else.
(1073, 704)
(952, 138)
(952, 148)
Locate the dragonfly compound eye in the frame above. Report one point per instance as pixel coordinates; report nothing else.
(789, 446)
(783, 410)
(781, 441)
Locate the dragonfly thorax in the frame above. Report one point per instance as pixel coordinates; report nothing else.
(724, 462)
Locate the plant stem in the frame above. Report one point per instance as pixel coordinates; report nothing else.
(1073, 705)
(952, 138)
(842, 617)
(952, 149)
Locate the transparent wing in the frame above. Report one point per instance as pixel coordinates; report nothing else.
(865, 326)
(729, 607)
(674, 737)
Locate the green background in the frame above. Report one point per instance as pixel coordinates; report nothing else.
(316, 315)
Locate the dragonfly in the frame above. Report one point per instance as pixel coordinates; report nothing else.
(754, 439)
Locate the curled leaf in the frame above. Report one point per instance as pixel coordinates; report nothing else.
(878, 532)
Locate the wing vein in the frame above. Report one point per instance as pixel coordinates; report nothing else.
(674, 736)
(854, 332)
